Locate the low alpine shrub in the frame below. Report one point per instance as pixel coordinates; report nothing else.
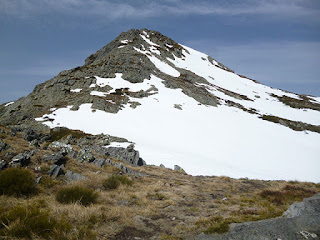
(74, 194)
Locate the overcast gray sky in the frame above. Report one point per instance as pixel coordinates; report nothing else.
(276, 42)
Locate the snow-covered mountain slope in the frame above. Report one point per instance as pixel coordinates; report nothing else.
(180, 106)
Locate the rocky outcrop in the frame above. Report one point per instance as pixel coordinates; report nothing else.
(129, 156)
(300, 221)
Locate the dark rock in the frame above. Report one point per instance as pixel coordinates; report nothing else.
(30, 135)
(72, 176)
(99, 162)
(3, 164)
(178, 168)
(56, 171)
(56, 158)
(162, 166)
(132, 157)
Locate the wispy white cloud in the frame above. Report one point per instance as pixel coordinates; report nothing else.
(112, 10)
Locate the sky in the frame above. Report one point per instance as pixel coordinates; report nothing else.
(276, 42)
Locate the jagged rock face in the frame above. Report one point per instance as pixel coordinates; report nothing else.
(178, 105)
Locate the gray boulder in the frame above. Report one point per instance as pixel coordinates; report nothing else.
(300, 221)
(309, 206)
(55, 171)
(72, 176)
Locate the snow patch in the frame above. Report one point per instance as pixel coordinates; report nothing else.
(149, 41)
(76, 90)
(119, 144)
(8, 104)
(162, 66)
(100, 94)
(118, 82)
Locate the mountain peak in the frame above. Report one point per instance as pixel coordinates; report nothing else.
(179, 105)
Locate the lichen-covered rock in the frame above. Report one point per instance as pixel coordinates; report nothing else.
(85, 155)
(178, 168)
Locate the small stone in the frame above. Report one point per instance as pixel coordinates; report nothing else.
(38, 180)
(162, 166)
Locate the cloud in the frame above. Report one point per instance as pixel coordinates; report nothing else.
(112, 10)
